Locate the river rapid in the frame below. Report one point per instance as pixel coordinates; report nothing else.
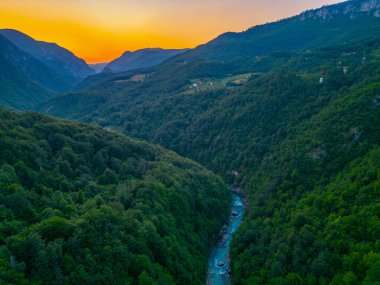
(219, 260)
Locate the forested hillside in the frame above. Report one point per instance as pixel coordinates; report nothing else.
(17, 90)
(349, 21)
(320, 231)
(299, 125)
(314, 195)
(82, 205)
(221, 124)
(31, 68)
(293, 131)
(24, 81)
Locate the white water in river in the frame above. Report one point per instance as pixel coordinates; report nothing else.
(219, 260)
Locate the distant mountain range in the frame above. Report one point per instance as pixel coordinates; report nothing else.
(142, 58)
(33, 71)
(259, 49)
(59, 59)
(335, 24)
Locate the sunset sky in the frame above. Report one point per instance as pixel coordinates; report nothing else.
(100, 30)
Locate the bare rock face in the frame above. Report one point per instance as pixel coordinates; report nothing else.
(369, 5)
(353, 9)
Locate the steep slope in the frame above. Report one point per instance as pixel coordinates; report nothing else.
(17, 91)
(33, 68)
(59, 59)
(344, 22)
(82, 205)
(327, 236)
(22, 78)
(142, 58)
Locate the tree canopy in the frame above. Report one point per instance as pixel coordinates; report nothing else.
(82, 205)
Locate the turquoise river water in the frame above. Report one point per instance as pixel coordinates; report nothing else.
(219, 260)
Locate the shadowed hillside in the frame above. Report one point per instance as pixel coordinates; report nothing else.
(82, 205)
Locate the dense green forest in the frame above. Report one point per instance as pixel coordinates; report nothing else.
(327, 233)
(82, 205)
(292, 106)
(221, 126)
(299, 127)
(314, 195)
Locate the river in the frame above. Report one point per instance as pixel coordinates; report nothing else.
(219, 260)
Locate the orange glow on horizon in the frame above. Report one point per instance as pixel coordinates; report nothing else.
(100, 31)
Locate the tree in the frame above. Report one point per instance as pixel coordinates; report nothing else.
(145, 279)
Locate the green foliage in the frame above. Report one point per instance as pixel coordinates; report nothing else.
(54, 228)
(81, 205)
(303, 132)
(289, 136)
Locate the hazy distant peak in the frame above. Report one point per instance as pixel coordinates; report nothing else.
(142, 58)
(98, 67)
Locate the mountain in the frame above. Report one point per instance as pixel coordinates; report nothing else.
(83, 205)
(330, 25)
(142, 58)
(344, 22)
(296, 117)
(98, 67)
(23, 79)
(59, 59)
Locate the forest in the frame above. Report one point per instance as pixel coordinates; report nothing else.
(82, 205)
(302, 126)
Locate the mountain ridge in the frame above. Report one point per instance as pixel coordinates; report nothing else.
(142, 58)
(261, 39)
(61, 60)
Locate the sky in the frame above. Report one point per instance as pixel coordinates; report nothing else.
(101, 30)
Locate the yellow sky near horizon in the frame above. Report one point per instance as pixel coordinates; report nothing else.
(101, 30)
